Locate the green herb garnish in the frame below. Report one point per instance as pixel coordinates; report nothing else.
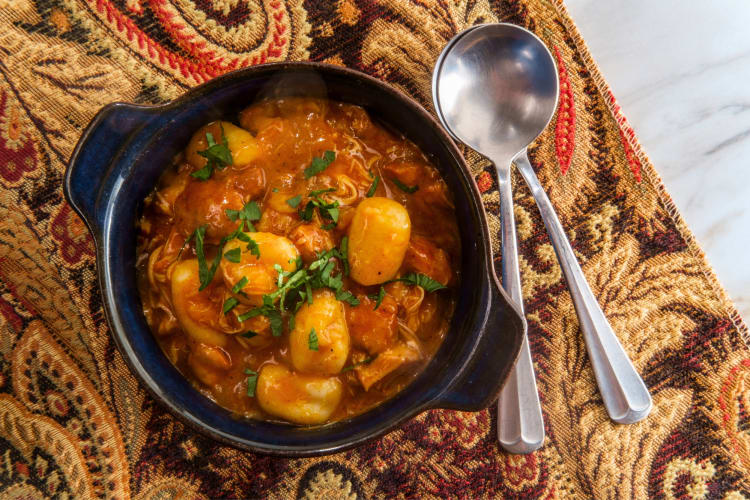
(233, 255)
(237, 288)
(307, 213)
(252, 245)
(249, 334)
(294, 202)
(312, 340)
(317, 165)
(318, 192)
(365, 361)
(229, 304)
(373, 187)
(216, 155)
(378, 298)
(403, 187)
(419, 279)
(344, 254)
(252, 382)
(348, 297)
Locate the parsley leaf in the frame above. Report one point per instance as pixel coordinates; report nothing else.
(274, 316)
(317, 165)
(204, 173)
(233, 255)
(252, 382)
(250, 212)
(312, 340)
(216, 155)
(232, 214)
(252, 245)
(419, 279)
(240, 285)
(344, 253)
(307, 213)
(229, 304)
(378, 298)
(318, 192)
(373, 187)
(294, 202)
(348, 297)
(403, 187)
(365, 361)
(203, 274)
(249, 334)
(328, 226)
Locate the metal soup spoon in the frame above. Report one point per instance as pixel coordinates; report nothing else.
(495, 88)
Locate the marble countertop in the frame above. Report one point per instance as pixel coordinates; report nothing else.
(680, 72)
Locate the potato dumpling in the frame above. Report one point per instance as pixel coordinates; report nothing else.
(298, 398)
(327, 316)
(259, 270)
(241, 143)
(378, 238)
(194, 309)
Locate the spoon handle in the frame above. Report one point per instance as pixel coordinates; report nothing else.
(520, 425)
(625, 395)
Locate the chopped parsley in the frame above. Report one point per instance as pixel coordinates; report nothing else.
(252, 382)
(329, 212)
(237, 288)
(348, 297)
(249, 213)
(403, 187)
(229, 304)
(216, 155)
(318, 192)
(249, 334)
(378, 298)
(365, 361)
(373, 187)
(419, 279)
(233, 255)
(252, 245)
(317, 165)
(294, 202)
(344, 251)
(312, 340)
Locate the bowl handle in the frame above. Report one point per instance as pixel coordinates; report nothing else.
(483, 377)
(91, 161)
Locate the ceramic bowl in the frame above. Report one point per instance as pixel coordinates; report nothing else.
(117, 163)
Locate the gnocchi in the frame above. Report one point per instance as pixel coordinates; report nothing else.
(325, 321)
(378, 238)
(302, 399)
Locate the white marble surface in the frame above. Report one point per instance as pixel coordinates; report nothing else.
(681, 72)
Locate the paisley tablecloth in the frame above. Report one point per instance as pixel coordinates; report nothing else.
(74, 423)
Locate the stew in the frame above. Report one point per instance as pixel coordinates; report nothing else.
(299, 265)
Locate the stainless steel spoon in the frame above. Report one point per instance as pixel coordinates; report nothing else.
(495, 88)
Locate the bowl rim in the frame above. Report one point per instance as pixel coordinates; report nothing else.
(185, 100)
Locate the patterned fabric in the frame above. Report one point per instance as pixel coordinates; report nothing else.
(74, 422)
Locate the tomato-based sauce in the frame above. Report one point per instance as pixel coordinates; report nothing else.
(299, 264)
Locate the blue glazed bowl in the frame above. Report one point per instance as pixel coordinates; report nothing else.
(117, 163)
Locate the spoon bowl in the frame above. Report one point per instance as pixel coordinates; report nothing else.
(496, 88)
